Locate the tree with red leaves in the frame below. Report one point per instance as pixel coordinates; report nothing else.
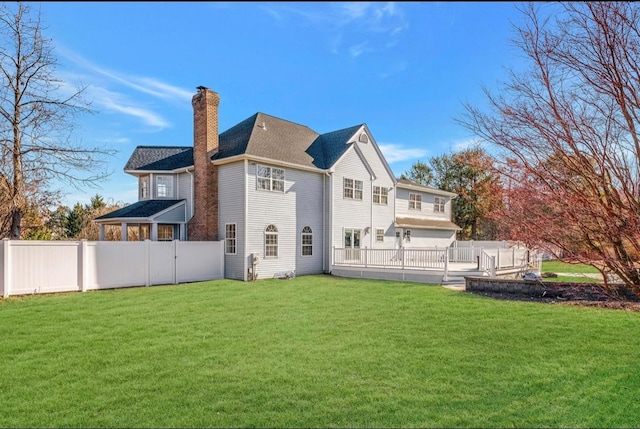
(566, 131)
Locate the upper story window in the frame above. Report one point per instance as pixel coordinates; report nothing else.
(352, 189)
(379, 235)
(270, 178)
(380, 195)
(438, 204)
(415, 201)
(164, 187)
(144, 187)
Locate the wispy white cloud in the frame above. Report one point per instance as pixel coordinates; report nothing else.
(397, 153)
(144, 84)
(119, 103)
(110, 91)
(355, 27)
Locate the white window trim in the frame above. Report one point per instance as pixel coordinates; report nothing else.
(268, 245)
(439, 204)
(165, 226)
(353, 189)
(269, 180)
(144, 186)
(168, 185)
(382, 193)
(379, 235)
(303, 245)
(228, 240)
(416, 202)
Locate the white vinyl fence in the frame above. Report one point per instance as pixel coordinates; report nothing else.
(31, 267)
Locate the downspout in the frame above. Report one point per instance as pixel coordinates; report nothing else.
(186, 232)
(371, 214)
(324, 218)
(329, 231)
(245, 226)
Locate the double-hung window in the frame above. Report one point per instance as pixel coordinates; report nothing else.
(380, 195)
(164, 186)
(379, 235)
(352, 189)
(438, 204)
(270, 178)
(415, 201)
(144, 187)
(230, 239)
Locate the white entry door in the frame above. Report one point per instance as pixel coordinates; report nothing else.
(352, 243)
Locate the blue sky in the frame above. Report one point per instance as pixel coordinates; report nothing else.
(404, 69)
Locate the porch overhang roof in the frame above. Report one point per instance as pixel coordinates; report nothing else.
(141, 211)
(407, 222)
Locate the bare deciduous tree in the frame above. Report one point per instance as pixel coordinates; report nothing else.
(569, 127)
(37, 114)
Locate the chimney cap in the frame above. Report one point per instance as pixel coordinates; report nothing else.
(201, 88)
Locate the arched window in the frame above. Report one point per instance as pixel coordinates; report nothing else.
(307, 241)
(271, 242)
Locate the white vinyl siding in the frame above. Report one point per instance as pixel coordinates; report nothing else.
(349, 213)
(232, 190)
(298, 206)
(421, 238)
(183, 188)
(175, 215)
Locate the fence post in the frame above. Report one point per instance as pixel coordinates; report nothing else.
(175, 262)
(513, 256)
(6, 249)
(83, 264)
(493, 265)
(147, 254)
(403, 255)
(446, 265)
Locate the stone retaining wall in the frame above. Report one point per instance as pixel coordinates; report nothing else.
(562, 290)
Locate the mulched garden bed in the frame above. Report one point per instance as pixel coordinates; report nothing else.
(581, 294)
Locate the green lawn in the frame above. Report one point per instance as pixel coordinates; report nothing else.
(575, 273)
(556, 266)
(313, 351)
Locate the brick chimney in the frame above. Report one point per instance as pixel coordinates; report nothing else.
(203, 226)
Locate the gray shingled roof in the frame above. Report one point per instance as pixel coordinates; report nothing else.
(260, 135)
(141, 209)
(160, 158)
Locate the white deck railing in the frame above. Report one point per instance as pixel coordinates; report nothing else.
(488, 260)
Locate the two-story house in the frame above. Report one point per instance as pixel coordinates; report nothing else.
(281, 195)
